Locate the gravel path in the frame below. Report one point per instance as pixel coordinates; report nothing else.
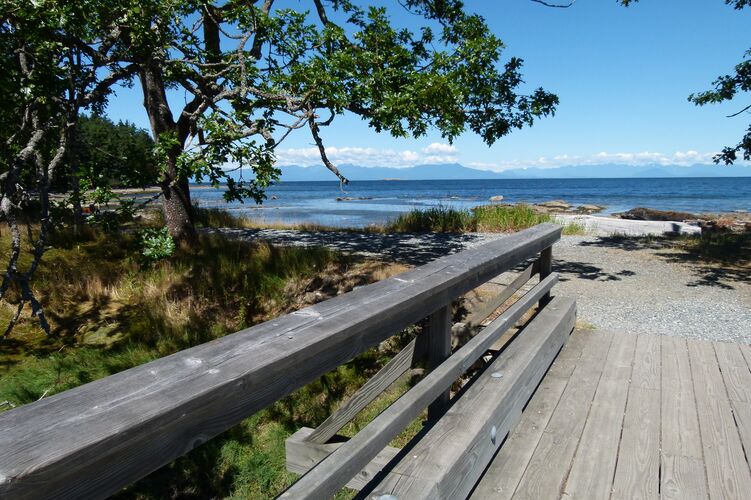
(621, 284)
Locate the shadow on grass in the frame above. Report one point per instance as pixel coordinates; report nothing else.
(405, 248)
(716, 261)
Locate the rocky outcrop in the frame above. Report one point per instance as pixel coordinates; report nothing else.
(641, 213)
(556, 204)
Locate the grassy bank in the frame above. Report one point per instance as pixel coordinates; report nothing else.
(109, 311)
(728, 250)
(485, 218)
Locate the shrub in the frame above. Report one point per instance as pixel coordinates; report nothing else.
(157, 244)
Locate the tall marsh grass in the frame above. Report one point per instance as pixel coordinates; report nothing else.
(487, 218)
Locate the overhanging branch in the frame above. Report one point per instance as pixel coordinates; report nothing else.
(322, 151)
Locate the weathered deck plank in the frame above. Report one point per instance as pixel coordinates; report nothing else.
(680, 424)
(686, 426)
(683, 478)
(727, 470)
(593, 468)
(549, 464)
(681, 460)
(637, 473)
(737, 377)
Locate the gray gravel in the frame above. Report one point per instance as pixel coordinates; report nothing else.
(621, 284)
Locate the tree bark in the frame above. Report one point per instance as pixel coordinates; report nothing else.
(178, 211)
(176, 205)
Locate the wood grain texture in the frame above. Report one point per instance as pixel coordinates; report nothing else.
(368, 392)
(302, 454)
(735, 371)
(737, 377)
(683, 478)
(638, 469)
(505, 470)
(647, 363)
(727, 469)
(549, 465)
(680, 424)
(450, 458)
(593, 467)
(337, 469)
(93, 440)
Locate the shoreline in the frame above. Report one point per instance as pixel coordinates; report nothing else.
(593, 219)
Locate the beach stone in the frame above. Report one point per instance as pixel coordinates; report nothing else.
(496, 198)
(590, 209)
(557, 204)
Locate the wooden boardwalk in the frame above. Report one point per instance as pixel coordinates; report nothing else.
(626, 416)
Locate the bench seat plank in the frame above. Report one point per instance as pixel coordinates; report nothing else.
(450, 458)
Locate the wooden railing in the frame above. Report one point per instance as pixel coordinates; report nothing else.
(97, 438)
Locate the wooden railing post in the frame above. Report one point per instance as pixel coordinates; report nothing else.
(546, 267)
(438, 337)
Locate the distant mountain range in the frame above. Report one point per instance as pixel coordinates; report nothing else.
(456, 171)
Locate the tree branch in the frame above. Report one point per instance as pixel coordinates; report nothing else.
(322, 151)
(739, 112)
(557, 6)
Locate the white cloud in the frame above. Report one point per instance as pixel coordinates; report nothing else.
(437, 153)
(440, 148)
(369, 157)
(679, 158)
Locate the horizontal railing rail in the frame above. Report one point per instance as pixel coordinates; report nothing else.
(93, 440)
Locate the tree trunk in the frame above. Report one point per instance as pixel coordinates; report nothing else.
(75, 184)
(178, 212)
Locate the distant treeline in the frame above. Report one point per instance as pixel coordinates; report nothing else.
(105, 153)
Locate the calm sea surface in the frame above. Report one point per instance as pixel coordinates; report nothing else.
(379, 201)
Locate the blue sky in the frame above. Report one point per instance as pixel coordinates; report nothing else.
(622, 74)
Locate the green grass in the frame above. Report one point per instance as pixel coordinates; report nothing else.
(574, 229)
(486, 218)
(731, 248)
(437, 219)
(501, 218)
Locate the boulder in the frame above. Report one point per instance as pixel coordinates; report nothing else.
(641, 213)
(557, 204)
(496, 198)
(589, 209)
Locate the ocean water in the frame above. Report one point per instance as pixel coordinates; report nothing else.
(375, 202)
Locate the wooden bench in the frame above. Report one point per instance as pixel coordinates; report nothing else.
(91, 441)
(448, 458)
